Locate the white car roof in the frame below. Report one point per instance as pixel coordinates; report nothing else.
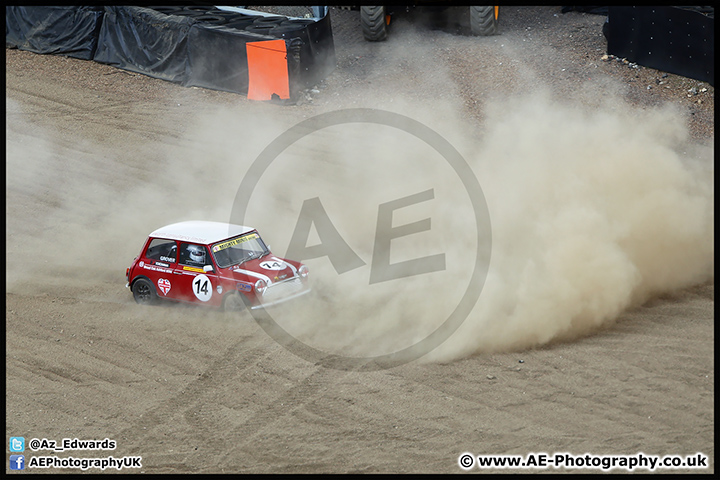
(199, 231)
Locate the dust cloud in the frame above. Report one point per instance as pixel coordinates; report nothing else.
(595, 206)
(81, 202)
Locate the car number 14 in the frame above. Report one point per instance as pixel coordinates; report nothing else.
(202, 288)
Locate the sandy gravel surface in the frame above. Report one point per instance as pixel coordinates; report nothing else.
(593, 332)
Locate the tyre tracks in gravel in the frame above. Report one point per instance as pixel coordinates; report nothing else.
(225, 408)
(130, 116)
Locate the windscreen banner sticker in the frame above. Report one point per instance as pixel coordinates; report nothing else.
(164, 285)
(233, 242)
(202, 288)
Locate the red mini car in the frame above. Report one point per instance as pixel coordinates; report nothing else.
(216, 264)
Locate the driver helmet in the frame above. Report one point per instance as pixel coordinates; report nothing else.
(197, 253)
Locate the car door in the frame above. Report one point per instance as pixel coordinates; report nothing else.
(196, 283)
(157, 264)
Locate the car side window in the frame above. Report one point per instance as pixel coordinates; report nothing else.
(194, 255)
(162, 249)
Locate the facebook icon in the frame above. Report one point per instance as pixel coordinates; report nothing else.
(17, 462)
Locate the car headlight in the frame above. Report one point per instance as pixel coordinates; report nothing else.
(303, 271)
(260, 286)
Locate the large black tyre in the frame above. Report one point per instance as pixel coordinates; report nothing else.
(166, 10)
(201, 9)
(373, 23)
(212, 19)
(483, 21)
(239, 24)
(144, 292)
(187, 13)
(276, 20)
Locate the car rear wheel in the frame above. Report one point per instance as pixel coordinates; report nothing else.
(144, 292)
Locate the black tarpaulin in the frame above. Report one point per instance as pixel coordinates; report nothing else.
(145, 41)
(70, 31)
(317, 58)
(182, 49)
(671, 39)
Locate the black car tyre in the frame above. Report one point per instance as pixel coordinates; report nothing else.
(233, 302)
(144, 292)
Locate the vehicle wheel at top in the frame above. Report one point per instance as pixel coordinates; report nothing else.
(483, 21)
(374, 23)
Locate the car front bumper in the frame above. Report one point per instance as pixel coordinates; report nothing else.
(281, 292)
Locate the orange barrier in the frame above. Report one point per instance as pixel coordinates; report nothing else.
(267, 70)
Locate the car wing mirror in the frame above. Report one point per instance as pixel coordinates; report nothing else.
(208, 268)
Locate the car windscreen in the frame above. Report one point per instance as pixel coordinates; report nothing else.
(239, 249)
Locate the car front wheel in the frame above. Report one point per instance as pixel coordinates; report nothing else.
(233, 302)
(144, 292)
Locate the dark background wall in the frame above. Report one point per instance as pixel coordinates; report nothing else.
(191, 47)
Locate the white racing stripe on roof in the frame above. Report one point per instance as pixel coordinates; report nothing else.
(200, 231)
